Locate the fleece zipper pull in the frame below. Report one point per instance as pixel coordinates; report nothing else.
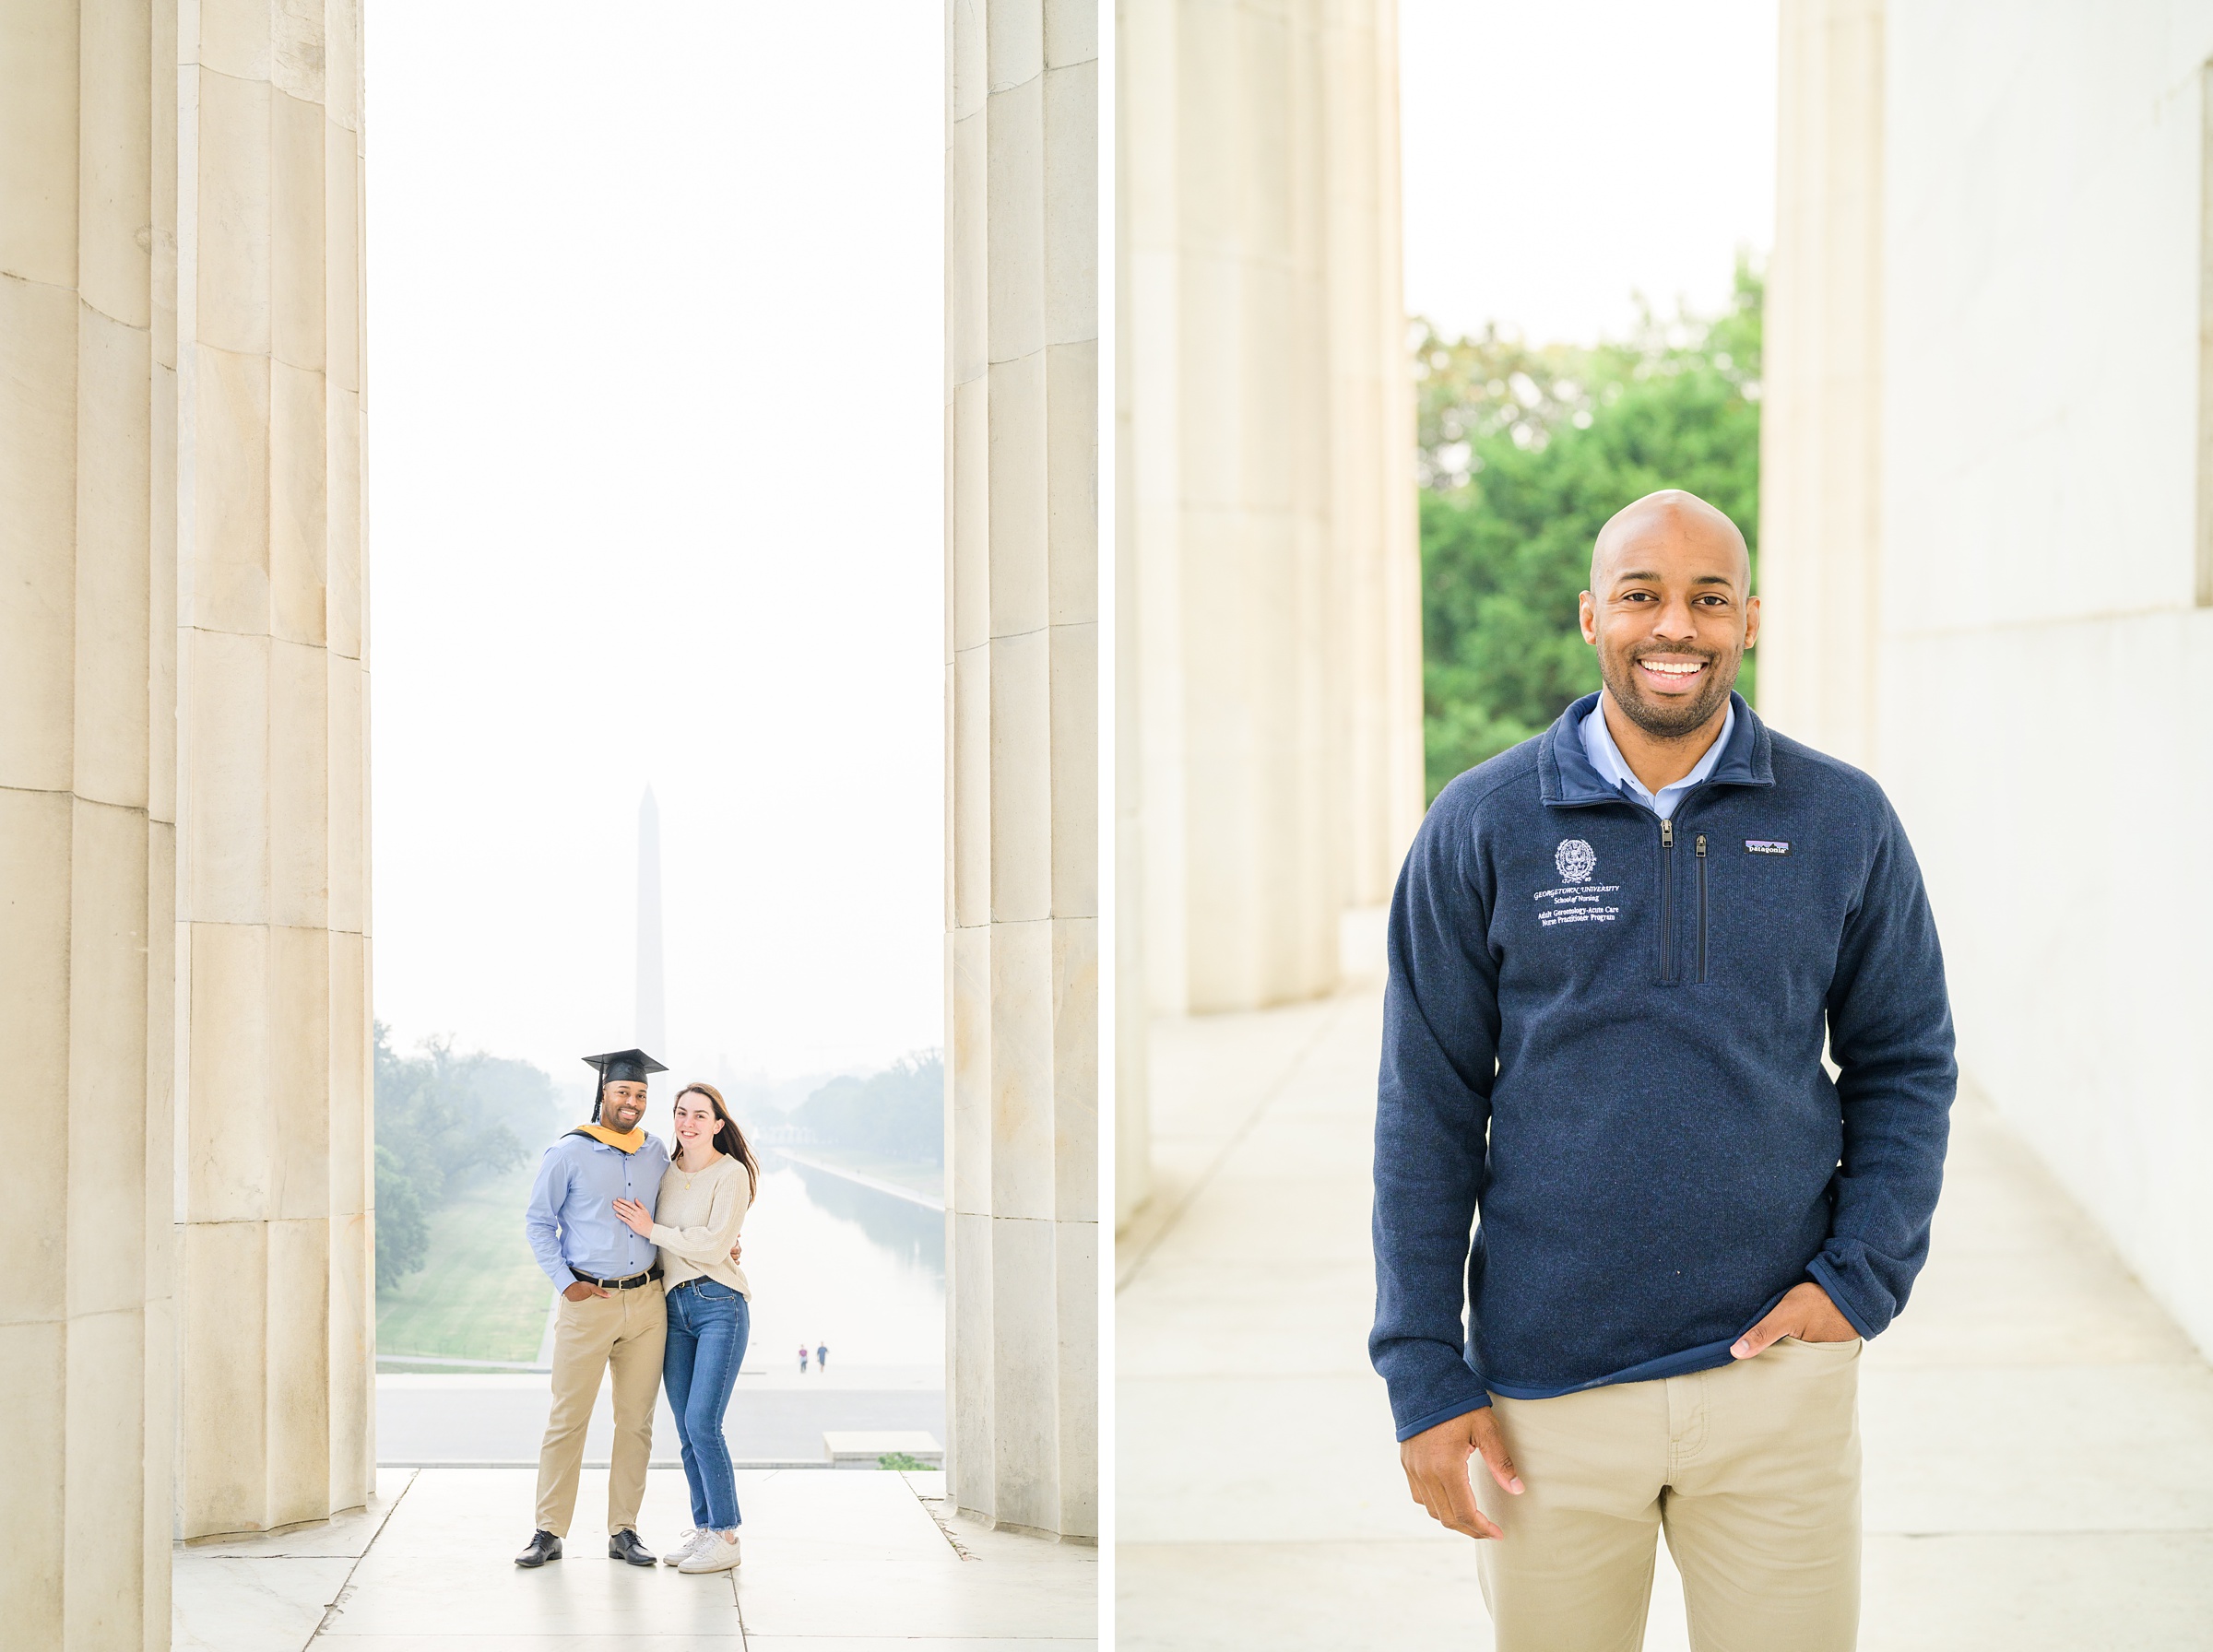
(1702, 853)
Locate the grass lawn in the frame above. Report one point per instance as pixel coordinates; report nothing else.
(481, 1296)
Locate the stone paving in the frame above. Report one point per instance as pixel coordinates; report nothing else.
(2039, 1434)
(835, 1562)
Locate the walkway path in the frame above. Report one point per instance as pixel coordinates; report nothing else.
(835, 1562)
(497, 1419)
(912, 1195)
(2039, 1434)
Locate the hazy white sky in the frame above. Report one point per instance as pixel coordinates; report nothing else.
(653, 380)
(1559, 155)
(654, 372)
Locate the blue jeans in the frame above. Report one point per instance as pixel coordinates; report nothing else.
(707, 1325)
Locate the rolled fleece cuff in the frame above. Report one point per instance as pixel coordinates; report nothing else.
(1421, 1424)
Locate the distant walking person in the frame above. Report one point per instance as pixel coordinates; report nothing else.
(803, 1359)
(821, 1357)
(610, 1314)
(704, 1197)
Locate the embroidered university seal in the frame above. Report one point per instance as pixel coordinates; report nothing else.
(1576, 859)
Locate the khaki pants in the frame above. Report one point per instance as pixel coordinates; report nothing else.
(1753, 1469)
(624, 1330)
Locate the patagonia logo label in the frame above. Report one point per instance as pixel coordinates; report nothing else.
(1767, 845)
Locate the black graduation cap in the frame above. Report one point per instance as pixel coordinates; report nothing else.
(620, 1066)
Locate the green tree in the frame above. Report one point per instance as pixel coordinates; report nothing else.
(403, 1238)
(1524, 452)
(899, 1113)
(444, 1122)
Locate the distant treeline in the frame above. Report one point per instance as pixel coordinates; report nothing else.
(445, 1123)
(448, 1122)
(898, 1112)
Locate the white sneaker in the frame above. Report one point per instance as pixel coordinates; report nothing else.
(687, 1546)
(720, 1554)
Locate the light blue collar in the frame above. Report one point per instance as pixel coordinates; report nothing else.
(1605, 756)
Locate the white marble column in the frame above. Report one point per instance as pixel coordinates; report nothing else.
(1262, 837)
(1270, 487)
(88, 400)
(1022, 760)
(274, 1166)
(1132, 1011)
(1820, 509)
(1149, 679)
(1373, 521)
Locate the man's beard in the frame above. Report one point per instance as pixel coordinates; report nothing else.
(1670, 719)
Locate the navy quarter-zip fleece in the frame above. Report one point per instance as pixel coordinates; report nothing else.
(1602, 1051)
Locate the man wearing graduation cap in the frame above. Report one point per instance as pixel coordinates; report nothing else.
(612, 1313)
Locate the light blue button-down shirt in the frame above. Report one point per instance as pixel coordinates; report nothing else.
(1605, 756)
(572, 1221)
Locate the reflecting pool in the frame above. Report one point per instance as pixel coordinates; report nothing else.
(832, 1262)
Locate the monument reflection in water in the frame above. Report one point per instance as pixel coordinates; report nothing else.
(832, 1262)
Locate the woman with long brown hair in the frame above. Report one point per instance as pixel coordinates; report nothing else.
(704, 1195)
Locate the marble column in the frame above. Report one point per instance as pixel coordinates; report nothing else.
(1132, 1012)
(1148, 684)
(87, 422)
(1023, 761)
(1261, 839)
(1374, 529)
(1820, 542)
(1271, 491)
(273, 1142)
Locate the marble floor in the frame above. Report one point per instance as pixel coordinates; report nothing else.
(857, 1561)
(2039, 1434)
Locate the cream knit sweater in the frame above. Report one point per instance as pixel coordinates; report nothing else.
(696, 1218)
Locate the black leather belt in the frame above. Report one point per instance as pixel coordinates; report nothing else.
(630, 1283)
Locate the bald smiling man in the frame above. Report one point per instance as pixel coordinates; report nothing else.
(1617, 953)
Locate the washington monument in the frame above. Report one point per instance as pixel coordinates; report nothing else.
(652, 1015)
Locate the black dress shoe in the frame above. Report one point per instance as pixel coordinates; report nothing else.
(544, 1546)
(624, 1545)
